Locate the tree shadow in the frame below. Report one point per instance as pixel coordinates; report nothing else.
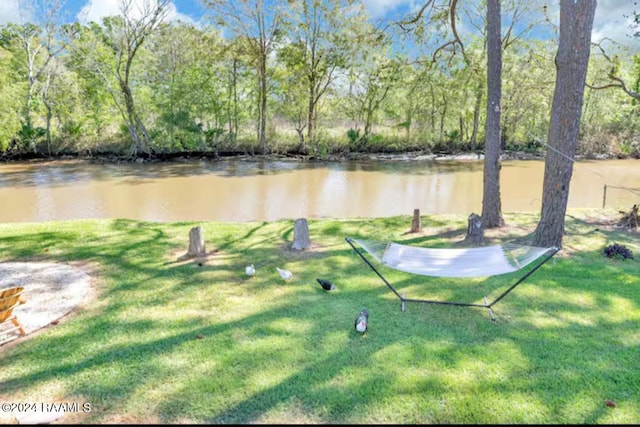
(190, 339)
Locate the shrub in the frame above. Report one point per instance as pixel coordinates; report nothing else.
(29, 136)
(618, 252)
(353, 135)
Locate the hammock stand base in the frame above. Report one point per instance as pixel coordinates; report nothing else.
(487, 304)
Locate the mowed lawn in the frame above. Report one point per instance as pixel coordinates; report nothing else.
(169, 340)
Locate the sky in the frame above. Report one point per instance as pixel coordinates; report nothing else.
(609, 22)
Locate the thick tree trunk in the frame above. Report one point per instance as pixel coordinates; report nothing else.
(491, 205)
(301, 239)
(572, 59)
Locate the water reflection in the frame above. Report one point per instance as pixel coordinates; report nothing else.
(244, 190)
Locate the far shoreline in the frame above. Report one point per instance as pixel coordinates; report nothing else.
(347, 156)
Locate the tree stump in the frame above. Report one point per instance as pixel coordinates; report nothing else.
(301, 235)
(415, 224)
(630, 219)
(196, 243)
(475, 231)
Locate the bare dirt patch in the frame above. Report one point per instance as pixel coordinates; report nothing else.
(52, 291)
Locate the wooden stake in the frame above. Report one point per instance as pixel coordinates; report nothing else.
(415, 224)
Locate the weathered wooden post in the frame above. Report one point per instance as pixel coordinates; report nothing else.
(196, 243)
(301, 239)
(475, 230)
(415, 224)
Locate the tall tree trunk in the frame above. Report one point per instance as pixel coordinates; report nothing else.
(408, 118)
(443, 114)
(476, 116)
(28, 124)
(136, 128)
(368, 118)
(572, 59)
(432, 112)
(311, 78)
(262, 124)
(236, 125)
(27, 109)
(49, 116)
(233, 102)
(491, 207)
(310, 114)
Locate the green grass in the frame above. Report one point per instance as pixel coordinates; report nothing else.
(273, 352)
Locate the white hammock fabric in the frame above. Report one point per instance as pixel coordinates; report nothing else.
(453, 262)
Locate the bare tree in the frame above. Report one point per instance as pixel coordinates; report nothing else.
(572, 59)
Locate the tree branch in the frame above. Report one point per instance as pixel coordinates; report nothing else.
(452, 18)
(416, 18)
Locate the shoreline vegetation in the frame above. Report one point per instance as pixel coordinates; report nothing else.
(343, 156)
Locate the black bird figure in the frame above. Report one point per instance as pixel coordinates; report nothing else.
(326, 285)
(362, 321)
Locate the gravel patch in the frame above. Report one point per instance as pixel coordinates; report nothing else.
(51, 290)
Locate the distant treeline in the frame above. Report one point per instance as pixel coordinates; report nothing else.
(316, 81)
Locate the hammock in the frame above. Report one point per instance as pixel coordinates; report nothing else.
(463, 262)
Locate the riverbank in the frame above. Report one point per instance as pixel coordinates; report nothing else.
(345, 156)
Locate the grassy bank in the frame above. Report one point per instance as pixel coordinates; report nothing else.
(186, 341)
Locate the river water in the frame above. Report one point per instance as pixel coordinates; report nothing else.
(243, 190)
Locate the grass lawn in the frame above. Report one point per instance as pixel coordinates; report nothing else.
(173, 341)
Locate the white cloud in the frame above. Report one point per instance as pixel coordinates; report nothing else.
(10, 12)
(381, 8)
(95, 10)
(613, 20)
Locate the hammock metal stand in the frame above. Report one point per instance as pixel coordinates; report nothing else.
(488, 305)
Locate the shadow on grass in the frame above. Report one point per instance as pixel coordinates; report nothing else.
(207, 344)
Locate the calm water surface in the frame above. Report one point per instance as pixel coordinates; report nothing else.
(241, 190)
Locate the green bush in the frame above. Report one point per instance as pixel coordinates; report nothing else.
(29, 136)
(353, 135)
